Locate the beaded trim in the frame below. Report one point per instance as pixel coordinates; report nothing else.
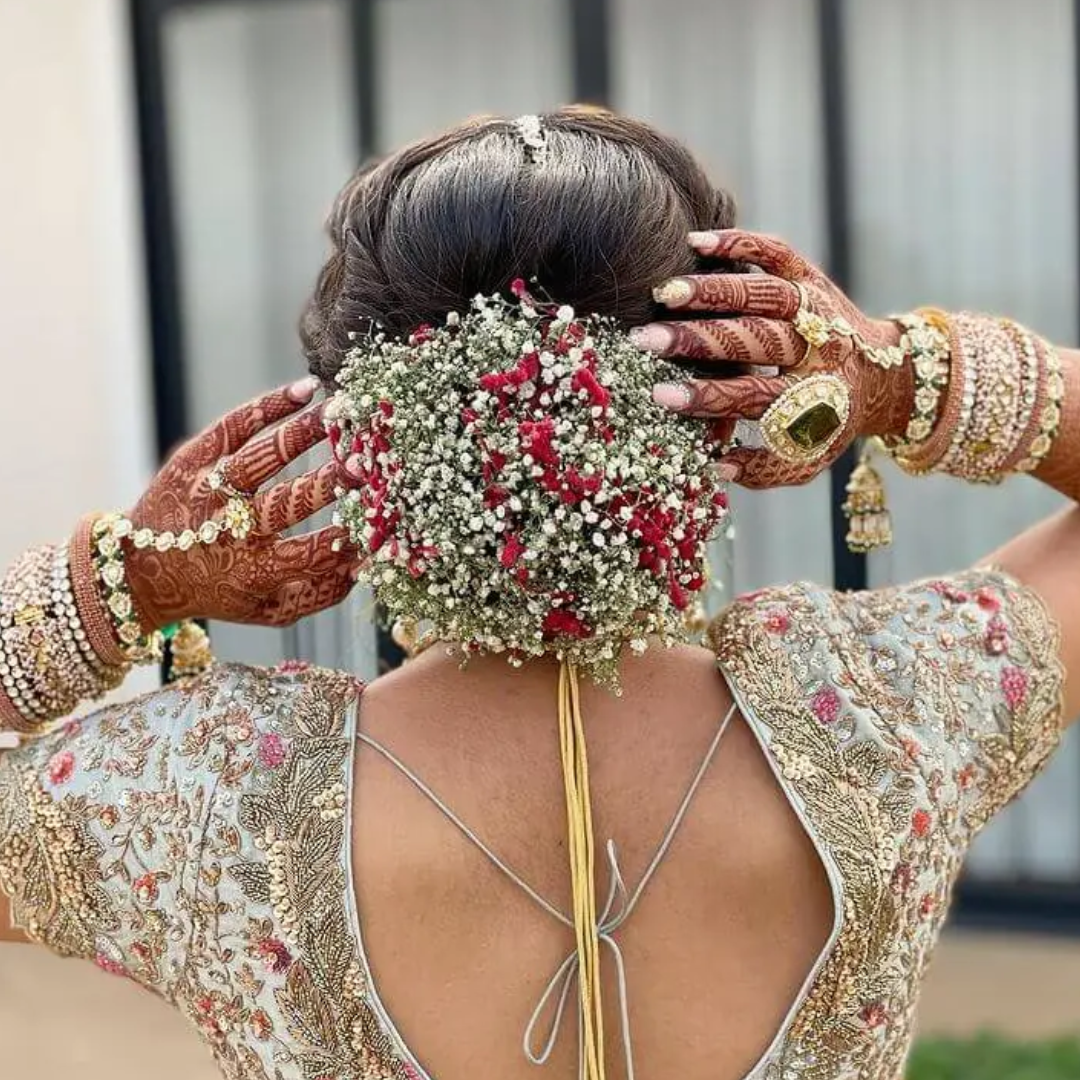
(108, 535)
(930, 351)
(1049, 412)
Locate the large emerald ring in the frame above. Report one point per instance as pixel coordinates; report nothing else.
(805, 421)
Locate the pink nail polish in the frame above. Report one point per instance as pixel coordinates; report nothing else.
(672, 396)
(304, 389)
(653, 338)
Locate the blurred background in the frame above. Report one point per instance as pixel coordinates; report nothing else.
(167, 165)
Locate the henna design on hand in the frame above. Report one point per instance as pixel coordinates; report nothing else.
(748, 294)
(881, 400)
(747, 397)
(751, 340)
(262, 579)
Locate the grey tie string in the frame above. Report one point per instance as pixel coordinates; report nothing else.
(609, 921)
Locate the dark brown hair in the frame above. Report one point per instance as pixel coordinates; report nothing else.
(598, 223)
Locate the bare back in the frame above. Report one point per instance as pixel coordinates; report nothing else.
(723, 939)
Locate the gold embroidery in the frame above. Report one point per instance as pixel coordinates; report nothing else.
(901, 721)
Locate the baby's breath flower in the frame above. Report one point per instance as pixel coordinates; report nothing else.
(520, 490)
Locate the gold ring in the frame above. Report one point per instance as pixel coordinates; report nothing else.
(812, 328)
(805, 421)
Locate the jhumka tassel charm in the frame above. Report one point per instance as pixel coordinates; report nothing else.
(869, 521)
(190, 650)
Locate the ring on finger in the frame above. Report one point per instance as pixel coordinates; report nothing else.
(239, 518)
(219, 481)
(811, 327)
(807, 419)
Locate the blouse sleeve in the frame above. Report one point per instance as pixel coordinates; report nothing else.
(961, 677)
(973, 666)
(102, 822)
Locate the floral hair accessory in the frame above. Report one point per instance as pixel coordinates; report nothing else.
(518, 488)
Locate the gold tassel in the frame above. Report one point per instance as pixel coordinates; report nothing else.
(192, 654)
(869, 521)
(582, 851)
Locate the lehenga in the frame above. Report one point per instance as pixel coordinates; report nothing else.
(197, 840)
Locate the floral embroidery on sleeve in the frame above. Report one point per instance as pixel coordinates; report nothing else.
(900, 721)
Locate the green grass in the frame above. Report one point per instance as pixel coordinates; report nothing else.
(992, 1058)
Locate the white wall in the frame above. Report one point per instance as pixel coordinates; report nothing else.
(74, 415)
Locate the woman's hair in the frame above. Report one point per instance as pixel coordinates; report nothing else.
(597, 223)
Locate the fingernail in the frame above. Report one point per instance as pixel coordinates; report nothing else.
(727, 472)
(705, 242)
(675, 396)
(304, 389)
(653, 338)
(674, 293)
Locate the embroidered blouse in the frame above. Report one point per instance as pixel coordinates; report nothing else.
(197, 840)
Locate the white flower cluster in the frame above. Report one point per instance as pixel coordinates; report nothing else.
(517, 487)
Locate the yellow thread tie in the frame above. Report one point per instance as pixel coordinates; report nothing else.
(581, 846)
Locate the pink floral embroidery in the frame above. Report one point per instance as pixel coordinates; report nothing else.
(145, 888)
(271, 751)
(109, 965)
(874, 1016)
(966, 776)
(948, 591)
(825, 705)
(986, 599)
(920, 823)
(777, 621)
(274, 955)
(926, 906)
(293, 667)
(261, 1026)
(61, 767)
(997, 637)
(1014, 685)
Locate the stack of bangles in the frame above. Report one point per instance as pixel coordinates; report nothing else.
(69, 632)
(988, 404)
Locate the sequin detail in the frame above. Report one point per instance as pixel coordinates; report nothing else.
(901, 721)
(195, 840)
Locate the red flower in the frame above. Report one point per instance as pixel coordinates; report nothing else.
(562, 623)
(538, 439)
(421, 334)
(61, 767)
(511, 552)
(921, 822)
(584, 379)
(519, 288)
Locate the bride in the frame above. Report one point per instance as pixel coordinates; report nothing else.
(529, 349)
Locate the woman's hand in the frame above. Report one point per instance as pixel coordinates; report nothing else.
(262, 579)
(755, 325)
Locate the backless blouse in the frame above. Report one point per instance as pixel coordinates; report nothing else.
(197, 840)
